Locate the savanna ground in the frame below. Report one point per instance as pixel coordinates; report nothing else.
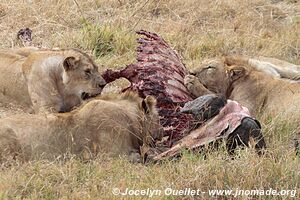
(197, 29)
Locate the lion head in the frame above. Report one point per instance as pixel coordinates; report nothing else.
(152, 126)
(217, 75)
(81, 76)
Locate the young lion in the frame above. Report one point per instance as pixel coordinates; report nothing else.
(116, 125)
(48, 80)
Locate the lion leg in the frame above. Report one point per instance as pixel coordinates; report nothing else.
(194, 86)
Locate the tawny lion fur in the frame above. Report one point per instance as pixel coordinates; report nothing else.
(115, 125)
(48, 80)
(272, 66)
(235, 79)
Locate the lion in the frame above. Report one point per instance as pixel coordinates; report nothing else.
(112, 124)
(260, 93)
(48, 80)
(272, 66)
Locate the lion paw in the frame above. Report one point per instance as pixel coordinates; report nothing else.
(194, 86)
(189, 81)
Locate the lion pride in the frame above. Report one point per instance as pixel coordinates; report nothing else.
(48, 80)
(261, 93)
(113, 124)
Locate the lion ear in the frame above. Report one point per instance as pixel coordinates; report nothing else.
(236, 72)
(70, 63)
(148, 104)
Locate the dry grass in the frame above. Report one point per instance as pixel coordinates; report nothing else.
(197, 29)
